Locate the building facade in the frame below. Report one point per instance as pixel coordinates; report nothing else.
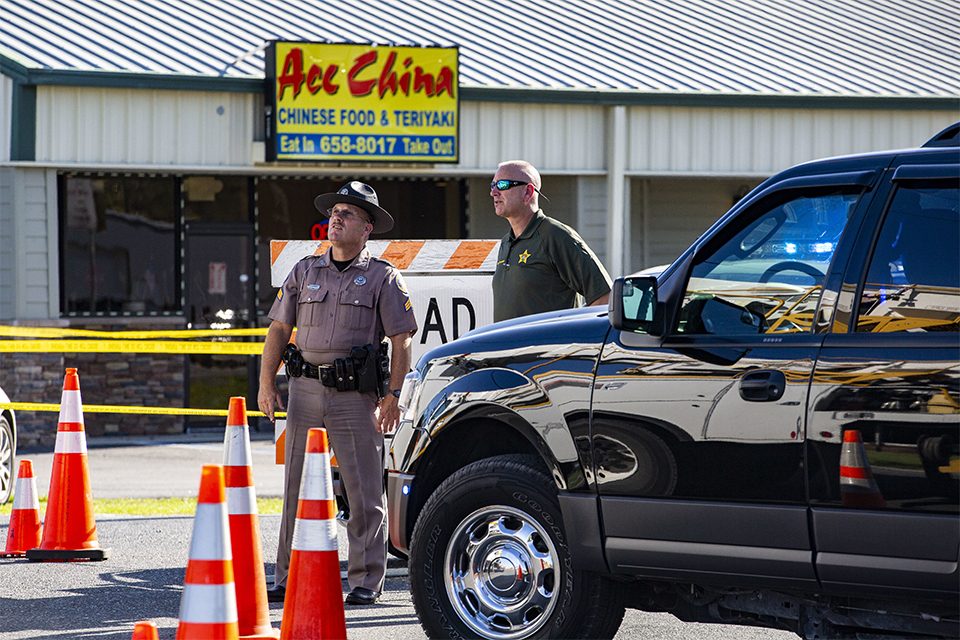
(137, 195)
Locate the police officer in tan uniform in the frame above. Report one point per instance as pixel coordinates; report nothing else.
(338, 301)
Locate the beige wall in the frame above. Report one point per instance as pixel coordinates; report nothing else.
(764, 141)
(667, 215)
(29, 267)
(129, 126)
(483, 223)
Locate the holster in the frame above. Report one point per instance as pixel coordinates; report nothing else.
(293, 361)
(372, 368)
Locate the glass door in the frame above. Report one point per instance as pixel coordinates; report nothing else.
(219, 295)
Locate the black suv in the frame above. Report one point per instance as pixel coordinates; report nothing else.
(765, 433)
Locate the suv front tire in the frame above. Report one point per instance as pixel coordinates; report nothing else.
(490, 559)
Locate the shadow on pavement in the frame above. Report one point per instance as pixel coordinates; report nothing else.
(126, 598)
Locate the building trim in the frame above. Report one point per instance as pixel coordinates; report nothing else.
(316, 170)
(174, 82)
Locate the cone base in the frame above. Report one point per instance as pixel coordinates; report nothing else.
(13, 554)
(47, 555)
(273, 634)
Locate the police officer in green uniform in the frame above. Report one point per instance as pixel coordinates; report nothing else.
(343, 304)
(543, 264)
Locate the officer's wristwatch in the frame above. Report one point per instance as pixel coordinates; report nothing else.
(395, 393)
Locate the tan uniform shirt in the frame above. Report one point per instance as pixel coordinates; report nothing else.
(335, 310)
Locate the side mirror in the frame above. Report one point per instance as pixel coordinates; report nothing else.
(633, 305)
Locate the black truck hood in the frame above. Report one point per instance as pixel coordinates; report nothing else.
(567, 326)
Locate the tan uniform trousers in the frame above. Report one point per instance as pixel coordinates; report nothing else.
(348, 417)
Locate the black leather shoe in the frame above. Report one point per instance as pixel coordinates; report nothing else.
(361, 596)
(276, 593)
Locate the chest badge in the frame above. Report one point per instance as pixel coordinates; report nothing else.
(313, 287)
(360, 281)
(523, 256)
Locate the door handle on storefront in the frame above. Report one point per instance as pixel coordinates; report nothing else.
(763, 386)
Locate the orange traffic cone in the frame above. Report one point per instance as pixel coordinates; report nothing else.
(145, 630)
(69, 531)
(313, 607)
(857, 486)
(208, 608)
(24, 530)
(251, 586)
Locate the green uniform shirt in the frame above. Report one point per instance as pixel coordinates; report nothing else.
(544, 270)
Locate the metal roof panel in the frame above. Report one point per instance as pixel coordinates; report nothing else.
(751, 47)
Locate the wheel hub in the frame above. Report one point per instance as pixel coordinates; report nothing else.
(506, 572)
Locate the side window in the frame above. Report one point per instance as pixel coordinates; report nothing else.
(769, 276)
(913, 282)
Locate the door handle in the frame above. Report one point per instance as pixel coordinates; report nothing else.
(763, 386)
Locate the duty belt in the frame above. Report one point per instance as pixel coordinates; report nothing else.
(325, 373)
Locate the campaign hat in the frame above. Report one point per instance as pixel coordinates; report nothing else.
(359, 194)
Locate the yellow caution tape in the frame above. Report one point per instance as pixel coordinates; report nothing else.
(51, 332)
(107, 408)
(130, 346)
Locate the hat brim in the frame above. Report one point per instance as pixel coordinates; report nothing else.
(382, 221)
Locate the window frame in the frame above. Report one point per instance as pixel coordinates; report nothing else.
(859, 182)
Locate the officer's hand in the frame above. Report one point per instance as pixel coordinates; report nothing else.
(267, 398)
(389, 416)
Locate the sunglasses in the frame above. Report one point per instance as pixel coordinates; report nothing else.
(504, 185)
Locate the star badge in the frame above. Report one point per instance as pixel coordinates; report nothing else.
(523, 256)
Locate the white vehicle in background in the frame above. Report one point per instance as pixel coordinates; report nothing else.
(8, 449)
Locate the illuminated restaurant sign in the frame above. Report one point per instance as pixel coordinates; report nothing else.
(361, 102)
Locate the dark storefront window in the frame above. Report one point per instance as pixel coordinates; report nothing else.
(216, 199)
(422, 209)
(119, 245)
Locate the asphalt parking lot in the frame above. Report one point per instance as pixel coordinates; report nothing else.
(143, 577)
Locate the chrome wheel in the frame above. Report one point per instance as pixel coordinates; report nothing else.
(6, 460)
(502, 573)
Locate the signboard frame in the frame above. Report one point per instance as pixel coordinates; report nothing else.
(275, 133)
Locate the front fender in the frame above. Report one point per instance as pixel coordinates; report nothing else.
(503, 396)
